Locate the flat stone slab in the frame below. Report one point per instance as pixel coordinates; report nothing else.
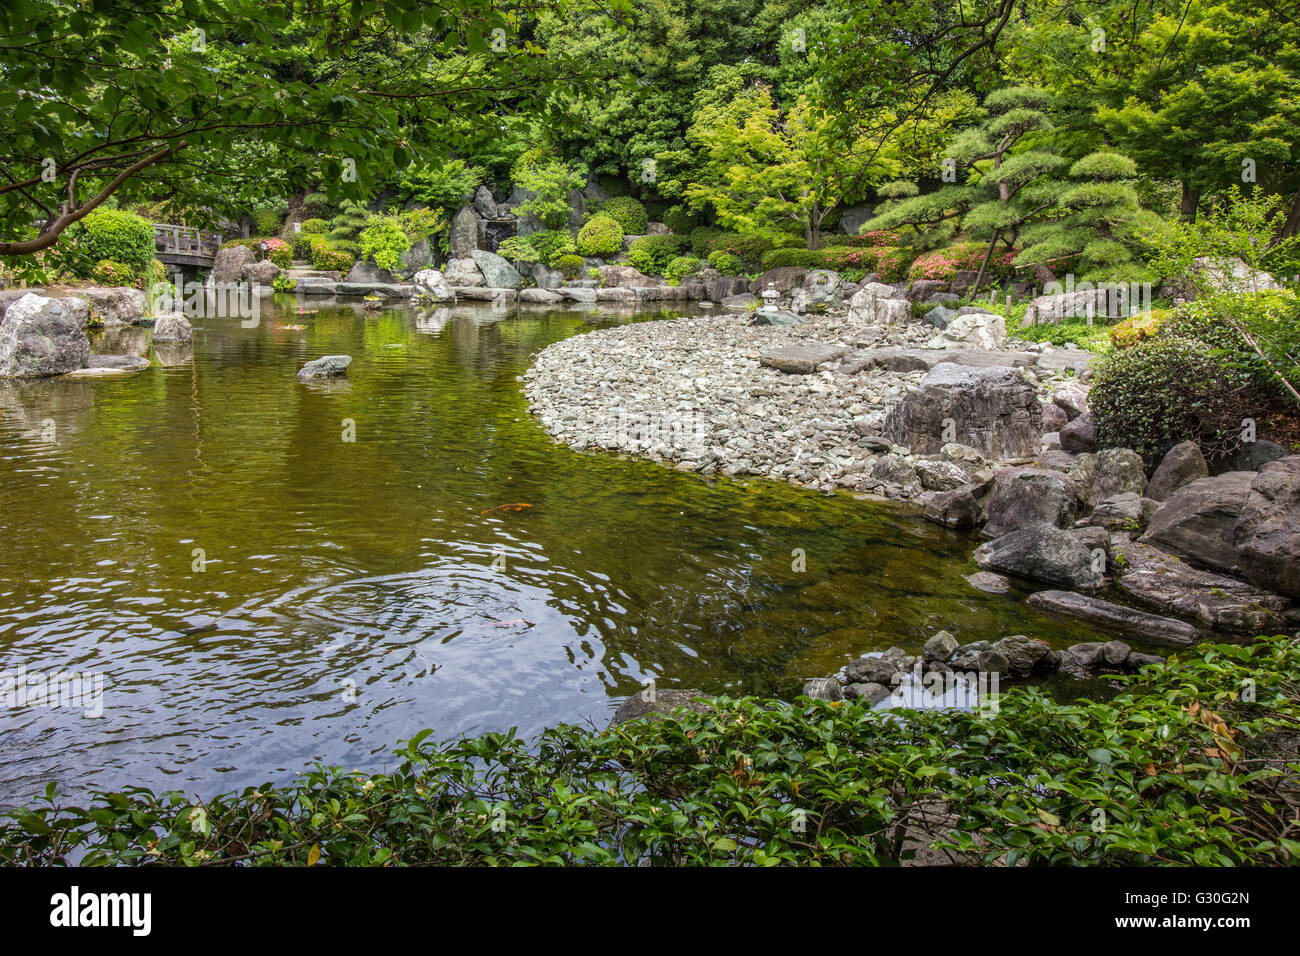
(1151, 628)
(1216, 600)
(802, 358)
(387, 289)
(1061, 359)
(922, 360)
(105, 366)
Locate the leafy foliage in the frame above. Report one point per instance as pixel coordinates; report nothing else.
(628, 212)
(550, 181)
(120, 236)
(601, 236)
(1185, 767)
(384, 242)
(652, 254)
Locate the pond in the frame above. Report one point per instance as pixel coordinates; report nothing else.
(259, 593)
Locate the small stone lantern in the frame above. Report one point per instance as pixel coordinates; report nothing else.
(770, 295)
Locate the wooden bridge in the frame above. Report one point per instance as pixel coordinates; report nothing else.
(185, 245)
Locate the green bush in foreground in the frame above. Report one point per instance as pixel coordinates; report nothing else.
(601, 236)
(1194, 764)
(119, 236)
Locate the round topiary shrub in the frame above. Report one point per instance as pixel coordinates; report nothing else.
(1159, 392)
(120, 236)
(570, 266)
(681, 267)
(628, 213)
(601, 236)
(314, 227)
(651, 254)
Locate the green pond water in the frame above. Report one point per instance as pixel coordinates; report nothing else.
(355, 592)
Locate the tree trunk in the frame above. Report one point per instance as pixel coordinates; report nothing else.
(1191, 199)
(984, 265)
(1292, 224)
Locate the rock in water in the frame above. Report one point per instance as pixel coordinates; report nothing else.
(1042, 553)
(823, 688)
(1151, 627)
(1268, 535)
(1025, 497)
(42, 336)
(172, 327)
(498, 272)
(432, 284)
(661, 701)
(463, 274)
(327, 366)
(994, 410)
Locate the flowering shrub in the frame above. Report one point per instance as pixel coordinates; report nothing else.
(327, 259)
(944, 264)
(279, 252)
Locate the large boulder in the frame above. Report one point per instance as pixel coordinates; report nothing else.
(114, 305)
(463, 233)
(265, 271)
(958, 508)
(1071, 397)
(361, 271)
(1181, 465)
(42, 336)
(540, 296)
(1042, 553)
(1051, 309)
(1267, 537)
(982, 330)
(463, 274)
(497, 271)
(1108, 473)
(1198, 521)
(994, 410)
(821, 289)
(172, 327)
(1223, 603)
(623, 277)
(879, 304)
(484, 205)
(783, 278)
(229, 264)
(433, 285)
(1029, 497)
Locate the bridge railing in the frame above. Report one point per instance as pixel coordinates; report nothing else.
(185, 241)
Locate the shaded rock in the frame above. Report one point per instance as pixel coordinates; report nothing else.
(1028, 497)
(941, 647)
(1182, 464)
(327, 366)
(823, 688)
(623, 277)
(958, 508)
(228, 264)
(463, 237)
(42, 336)
(783, 278)
(1079, 436)
(772, 316)
(1221, 602)
(989, 582)
(1267, 537)
(922, 289)
(1108, 473)
(1042, 553)
(940, 318)
(1071, 396)
(873, 670)
(994, 410)
(940, 475)
(540, 296)
(1150, 627)
(871, 693)
(361, 271)
(1022, 653)
(1056, 460)
(1198, 520)
(1251, 456)
(662, 701)
(1123, 512)
(1054, 418)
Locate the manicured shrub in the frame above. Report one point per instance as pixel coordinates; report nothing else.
(725, 263)
(108, 272)
(601, 236)
(120, 236)
(314, 227)
(747, 247)
(1159, 392)
(1137, 328)
(627, 212)
(680, 267)
(651, 254)
(570, 266)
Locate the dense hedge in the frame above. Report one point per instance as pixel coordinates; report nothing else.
(1194, 764)
(601, 236)
(628, 212)
(652, 254)
(854, 263)
(119, 236)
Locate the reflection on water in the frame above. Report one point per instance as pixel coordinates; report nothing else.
(260, 592)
